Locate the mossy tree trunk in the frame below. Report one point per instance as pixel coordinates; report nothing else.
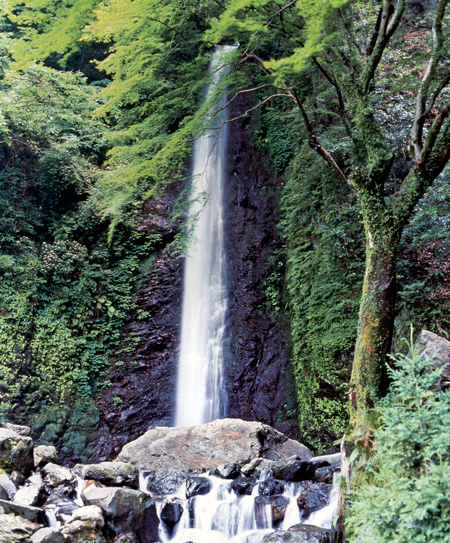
(376, 323)
(385, 212)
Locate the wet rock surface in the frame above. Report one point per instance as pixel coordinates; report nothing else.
(312, 498)
(197, 486)
(270, 487)
(256, 376)
(143, 373)
(278, 505)
(243, 485)
(143, 367)
(209, 445)
(165, 481)
(171, 513)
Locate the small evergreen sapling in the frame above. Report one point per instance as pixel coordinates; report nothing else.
(406, 494)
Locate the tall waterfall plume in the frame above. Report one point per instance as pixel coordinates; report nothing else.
(201, 395)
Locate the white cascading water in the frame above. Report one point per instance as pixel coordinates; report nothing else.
(201, 395)
(222, 516)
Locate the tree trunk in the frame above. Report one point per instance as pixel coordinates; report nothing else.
(375, 326)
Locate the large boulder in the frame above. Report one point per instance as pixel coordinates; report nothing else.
(16, 451)
(432, 345)
(16, 529)
(109, 473)
(130, 510)
(208, 445)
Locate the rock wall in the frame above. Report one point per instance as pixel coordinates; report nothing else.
(257, 345)
(143, 367)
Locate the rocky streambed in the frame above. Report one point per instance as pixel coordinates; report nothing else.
(225, 481)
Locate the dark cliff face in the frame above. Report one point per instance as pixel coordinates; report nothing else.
(256, 369)
(143, 367)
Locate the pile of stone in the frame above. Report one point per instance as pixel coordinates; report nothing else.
(43, 502)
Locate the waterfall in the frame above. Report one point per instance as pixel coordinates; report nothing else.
(201, 395)
(224, 516)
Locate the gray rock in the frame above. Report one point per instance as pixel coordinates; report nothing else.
(161, 482)
(17, 428)
(32, 493)
(126, 538)
(171, 513)
(43, 454)
(110, 473)
(91, 513)
(207, 446)
(300, 533)
(16, 451)
(8, 486)
(48, 535)
(22, 456)
(15, 529)
(312, 498)
(83, 531)
(197, 486)
(3, 494)
(256, 466)
(293, 469)
(432, 345)
(333, 460)
(55, 475)
(324, 475)
(278, 504)
(33, 514)
(62, 506)
(130, 510)
(17, 479)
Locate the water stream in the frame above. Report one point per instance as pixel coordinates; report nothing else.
(201, 395)
(222, 515)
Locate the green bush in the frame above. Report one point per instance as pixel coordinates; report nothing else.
(405, 496)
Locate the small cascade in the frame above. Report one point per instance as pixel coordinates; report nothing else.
(223, 515)
(201, 393)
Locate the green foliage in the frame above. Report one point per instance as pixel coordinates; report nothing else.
(406, 494)
(64, 293)
(323, 281)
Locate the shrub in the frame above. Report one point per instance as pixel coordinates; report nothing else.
(406, 494)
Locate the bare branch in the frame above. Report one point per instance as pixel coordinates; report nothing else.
(247, 111)
(333, 82)
(390, 19)
(433, 133)
(315, 144)
(425, 86)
